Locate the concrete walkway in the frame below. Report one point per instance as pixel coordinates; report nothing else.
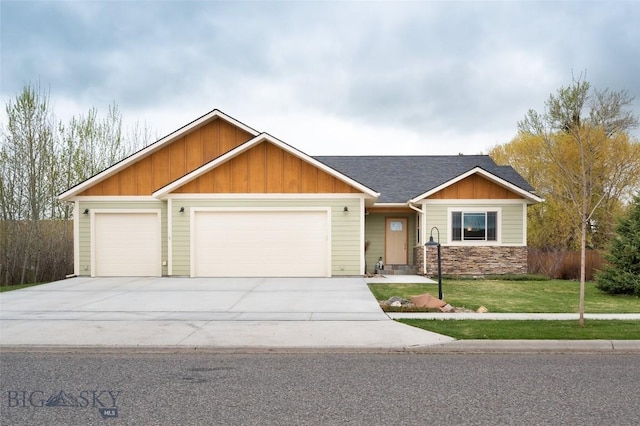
(204, 313)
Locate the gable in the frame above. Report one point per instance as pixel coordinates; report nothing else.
(180, 157)
(474, 187)
(266, 168)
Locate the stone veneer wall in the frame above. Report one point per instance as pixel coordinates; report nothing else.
(473, 260)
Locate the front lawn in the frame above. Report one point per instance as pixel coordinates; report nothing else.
(531, 296)
(531, 330)
(16, 287)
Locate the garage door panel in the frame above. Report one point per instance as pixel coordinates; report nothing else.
(259, 243)
(126, 244)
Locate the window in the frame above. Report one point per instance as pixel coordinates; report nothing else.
(474, 226)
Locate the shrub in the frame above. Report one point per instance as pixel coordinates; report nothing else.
(622, 275)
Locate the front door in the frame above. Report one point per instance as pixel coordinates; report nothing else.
(396, 236)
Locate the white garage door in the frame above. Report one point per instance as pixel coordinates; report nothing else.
(260, 244)
(126, 244)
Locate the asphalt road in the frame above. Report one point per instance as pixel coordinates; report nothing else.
(81, 388)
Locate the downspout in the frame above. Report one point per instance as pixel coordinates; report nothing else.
(422, 236)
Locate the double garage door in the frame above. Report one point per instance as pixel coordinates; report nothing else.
(260, 243)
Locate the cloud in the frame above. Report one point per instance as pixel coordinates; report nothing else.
(347, 76)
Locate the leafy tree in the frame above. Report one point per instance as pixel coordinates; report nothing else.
(551, 224)
(622, 275)
(573, 143)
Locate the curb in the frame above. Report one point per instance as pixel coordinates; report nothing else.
(456, 347)
(536, 346)
(508, 316)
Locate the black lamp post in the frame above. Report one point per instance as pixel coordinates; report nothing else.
(437, 244)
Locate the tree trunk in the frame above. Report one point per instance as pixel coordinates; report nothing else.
(583, 269)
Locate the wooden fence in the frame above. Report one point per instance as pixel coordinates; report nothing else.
(564, 264)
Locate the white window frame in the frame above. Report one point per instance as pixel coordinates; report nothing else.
(467, 209)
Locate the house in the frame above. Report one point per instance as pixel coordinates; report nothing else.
(218, 198)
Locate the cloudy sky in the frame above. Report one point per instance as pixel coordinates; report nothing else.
(330, 78)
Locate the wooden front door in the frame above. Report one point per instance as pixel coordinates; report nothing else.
(396, 241)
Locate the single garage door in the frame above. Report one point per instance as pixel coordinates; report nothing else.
(260, 244)
(126, 244)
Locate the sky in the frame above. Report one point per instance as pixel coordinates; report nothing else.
(328, 77)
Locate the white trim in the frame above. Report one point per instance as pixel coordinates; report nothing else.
(421, 219)
(497, 242)
(472, 202)
(329, 248)
(195, 210)
(258, 209)
(90, 198)
(490, 176)
(525, 225)
(169, 237)
(150, 149)
(422, 237)
(362, 237)
(261, 196)
(76, 238)
(263, 137)
(93, 213)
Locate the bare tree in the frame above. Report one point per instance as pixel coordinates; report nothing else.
(27, 153)
(569, 134)
(37, 162)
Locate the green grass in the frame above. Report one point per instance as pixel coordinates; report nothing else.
(533, 296)
(531, 330)
(16, 287)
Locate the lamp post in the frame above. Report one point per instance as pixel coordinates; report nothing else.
(437, 244)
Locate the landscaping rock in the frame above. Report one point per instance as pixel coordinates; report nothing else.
(396, 304)
(482, 310)
(397, 301)
(427, 301)
(447, 308)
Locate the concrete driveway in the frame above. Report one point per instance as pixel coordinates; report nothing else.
(204, 312)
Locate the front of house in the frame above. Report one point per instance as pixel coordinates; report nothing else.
(218, 198)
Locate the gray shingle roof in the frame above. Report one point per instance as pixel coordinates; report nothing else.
(401, 178)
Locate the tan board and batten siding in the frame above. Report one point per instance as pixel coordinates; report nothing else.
(266, 169)
(172, 161)
(264, 178)
(474, 187)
